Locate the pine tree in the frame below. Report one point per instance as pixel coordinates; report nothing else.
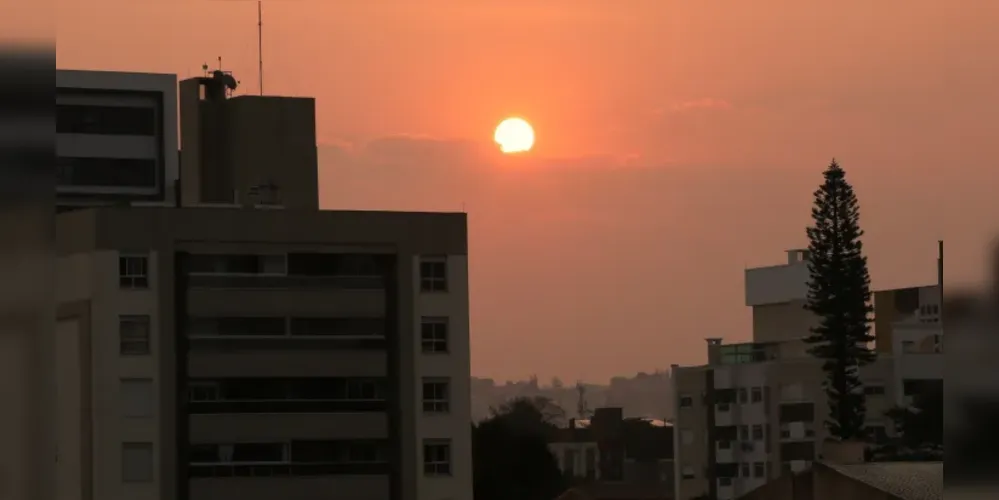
(839, 294)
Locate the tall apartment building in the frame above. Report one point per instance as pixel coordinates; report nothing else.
(248, 344)
(757, 408)
(116, 137)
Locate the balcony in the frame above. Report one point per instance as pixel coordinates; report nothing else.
(253, 281)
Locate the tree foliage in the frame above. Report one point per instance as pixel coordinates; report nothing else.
(919, 429)
(511, 458)
(839, 294)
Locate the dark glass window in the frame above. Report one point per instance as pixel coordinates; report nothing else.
(433, 335)
(797, 412)
(106, 172)
(105, 120)
(433, 275)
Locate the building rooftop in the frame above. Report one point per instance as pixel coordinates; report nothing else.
(906, 480)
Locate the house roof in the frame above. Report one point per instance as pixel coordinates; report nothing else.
(906, 480)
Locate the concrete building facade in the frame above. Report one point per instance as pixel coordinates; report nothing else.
(756, 410)
(256, 346)
(116, 137)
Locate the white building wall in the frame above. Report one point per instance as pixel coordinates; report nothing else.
(456, 365)
(776, 284)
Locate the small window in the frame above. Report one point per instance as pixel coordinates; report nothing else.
(743, 395)
(137, 397)
(744, 469)
(758, 432)
(724, 482)
(874, 390)
(759, 469)
(433, 275)
(757, 395)
(687, 472)
(744, 433)
(686, 401)
(136, 462)
(436, 395)
(437, 457)
(434, 335)
(724, 445)
(133, 271)
(133, 335)
(723, 407)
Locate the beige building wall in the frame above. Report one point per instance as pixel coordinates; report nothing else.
(782, 321)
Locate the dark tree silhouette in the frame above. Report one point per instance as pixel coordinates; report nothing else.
(919, 427)
(510, 454)
(839, 294)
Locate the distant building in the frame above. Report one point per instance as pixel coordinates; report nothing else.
(613, 458)
(756, 410)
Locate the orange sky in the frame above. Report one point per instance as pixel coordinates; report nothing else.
(678, 142)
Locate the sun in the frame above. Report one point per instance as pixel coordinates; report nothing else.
(514, 135)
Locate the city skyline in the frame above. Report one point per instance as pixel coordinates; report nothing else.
(652, 138)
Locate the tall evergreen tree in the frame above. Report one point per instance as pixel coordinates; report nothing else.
(839, 294)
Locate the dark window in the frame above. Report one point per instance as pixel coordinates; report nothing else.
(686, 401)
(434, 335)
(133, 271)
(106, 172)
(757, 432)
(759, 469)
(874, 390)
(744, 469)
(801, 450)
(133, 335)
(272, 326)
(724, 445)
(433, 275)
(744, 433)
(727, 470)
(743, 395)
(368, 327)
(724, 396)
(301, 389)
(105, 120)
(727, 433)
(437, 457)
(237, 264)
(334, 264)
(797, 412)
(757, 395)
(436, 396)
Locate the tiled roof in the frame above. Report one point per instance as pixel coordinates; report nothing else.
(906, 480)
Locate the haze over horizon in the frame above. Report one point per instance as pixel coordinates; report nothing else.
(677, 144)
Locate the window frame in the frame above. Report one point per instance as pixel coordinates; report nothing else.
(756, 395)
(430, 344)
(433, 283)
(142, 319)
(130, 279)
(436, 404)
(435, 466)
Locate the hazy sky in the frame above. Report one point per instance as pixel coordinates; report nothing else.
(678, 143)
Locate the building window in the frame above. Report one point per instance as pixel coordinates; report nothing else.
(77, 172)
(137, 397)
(436, 395)
(758, 432)
(724, 482)
(137, 462)
(743, 395)
(757, 395)
(105, 120)
(744, 469)
(433, 275)
(744, 433)
(759, 469)
(724, 445)
(133, 335)
(723, 407)
(686, 401)
(133, 271)
(687, 472)
(434, 335)
(437, 457)
(874, 390)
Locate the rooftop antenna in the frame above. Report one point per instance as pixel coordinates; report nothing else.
(260, 43)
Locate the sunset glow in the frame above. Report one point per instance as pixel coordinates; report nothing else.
(514, 135)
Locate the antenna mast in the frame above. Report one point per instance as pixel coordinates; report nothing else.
(260, 43)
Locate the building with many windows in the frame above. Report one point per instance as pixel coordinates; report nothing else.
(756, 409)
(258, 347)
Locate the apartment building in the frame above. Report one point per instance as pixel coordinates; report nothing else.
(116, 137)
(246, 344)
(756, 409)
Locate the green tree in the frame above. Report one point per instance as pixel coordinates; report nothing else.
(510, 454)
(839, 294)
(919, 428)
